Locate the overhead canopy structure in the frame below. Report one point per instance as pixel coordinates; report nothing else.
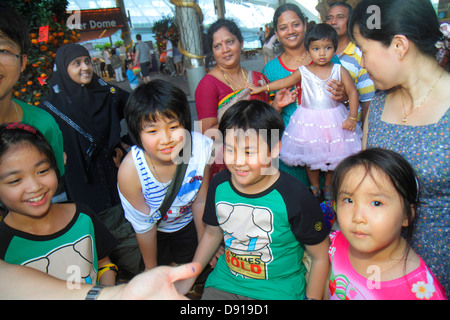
(307, 6)
(250, 13)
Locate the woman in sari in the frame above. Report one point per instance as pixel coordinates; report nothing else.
(225, 84)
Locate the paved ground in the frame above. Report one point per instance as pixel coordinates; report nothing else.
(254, 63)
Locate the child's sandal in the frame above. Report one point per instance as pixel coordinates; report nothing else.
(316, 191)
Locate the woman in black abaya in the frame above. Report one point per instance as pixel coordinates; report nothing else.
(88, 112)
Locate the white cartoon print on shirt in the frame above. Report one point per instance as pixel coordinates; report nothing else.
(247, 238)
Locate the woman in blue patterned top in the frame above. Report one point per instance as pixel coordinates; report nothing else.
(410, 112)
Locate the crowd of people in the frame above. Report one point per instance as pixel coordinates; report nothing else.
(348, 118)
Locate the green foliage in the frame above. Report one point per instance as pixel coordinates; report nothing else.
(41, 57)
(165, 28)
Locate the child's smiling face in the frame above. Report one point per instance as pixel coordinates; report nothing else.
(27, 181)
(163, 139)
(247, 157)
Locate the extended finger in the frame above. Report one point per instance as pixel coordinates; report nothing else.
(185, 271)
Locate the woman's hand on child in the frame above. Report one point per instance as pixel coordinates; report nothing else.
(349, 124)
(337, 90)
(285, 97)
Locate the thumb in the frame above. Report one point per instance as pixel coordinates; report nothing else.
(185, 271)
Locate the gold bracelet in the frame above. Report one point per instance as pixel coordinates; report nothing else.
(268, 88)
(354, 119)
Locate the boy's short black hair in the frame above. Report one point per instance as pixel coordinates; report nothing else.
(253, 114)
(321, 31)
(13, 26)
(152, 100)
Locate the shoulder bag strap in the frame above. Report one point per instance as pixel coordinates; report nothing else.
(172, 190)
(71, 123)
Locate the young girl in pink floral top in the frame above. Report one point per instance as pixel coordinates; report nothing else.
(376, 194)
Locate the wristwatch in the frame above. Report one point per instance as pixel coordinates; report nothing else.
(94, 292)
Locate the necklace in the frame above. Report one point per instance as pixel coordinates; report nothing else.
(15, 108)
(300, 62)
(405, 115)
(154, 169)
(229, 80)
(294, 59)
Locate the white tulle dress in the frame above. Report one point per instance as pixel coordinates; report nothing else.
(314, 136)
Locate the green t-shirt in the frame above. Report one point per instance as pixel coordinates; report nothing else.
(45, 123)
(70, 254)
(264, 236)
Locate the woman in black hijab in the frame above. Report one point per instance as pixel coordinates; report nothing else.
(88, 112)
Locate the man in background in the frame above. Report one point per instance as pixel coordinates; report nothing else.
(350, 55)
(143, 56)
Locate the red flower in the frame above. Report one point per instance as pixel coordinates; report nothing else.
(332, 286)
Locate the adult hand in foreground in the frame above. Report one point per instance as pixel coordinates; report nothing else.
(157, 283)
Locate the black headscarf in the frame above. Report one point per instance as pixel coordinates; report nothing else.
(89, 105)
(97, 108)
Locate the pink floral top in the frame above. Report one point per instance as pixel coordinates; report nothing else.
(346, 284)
